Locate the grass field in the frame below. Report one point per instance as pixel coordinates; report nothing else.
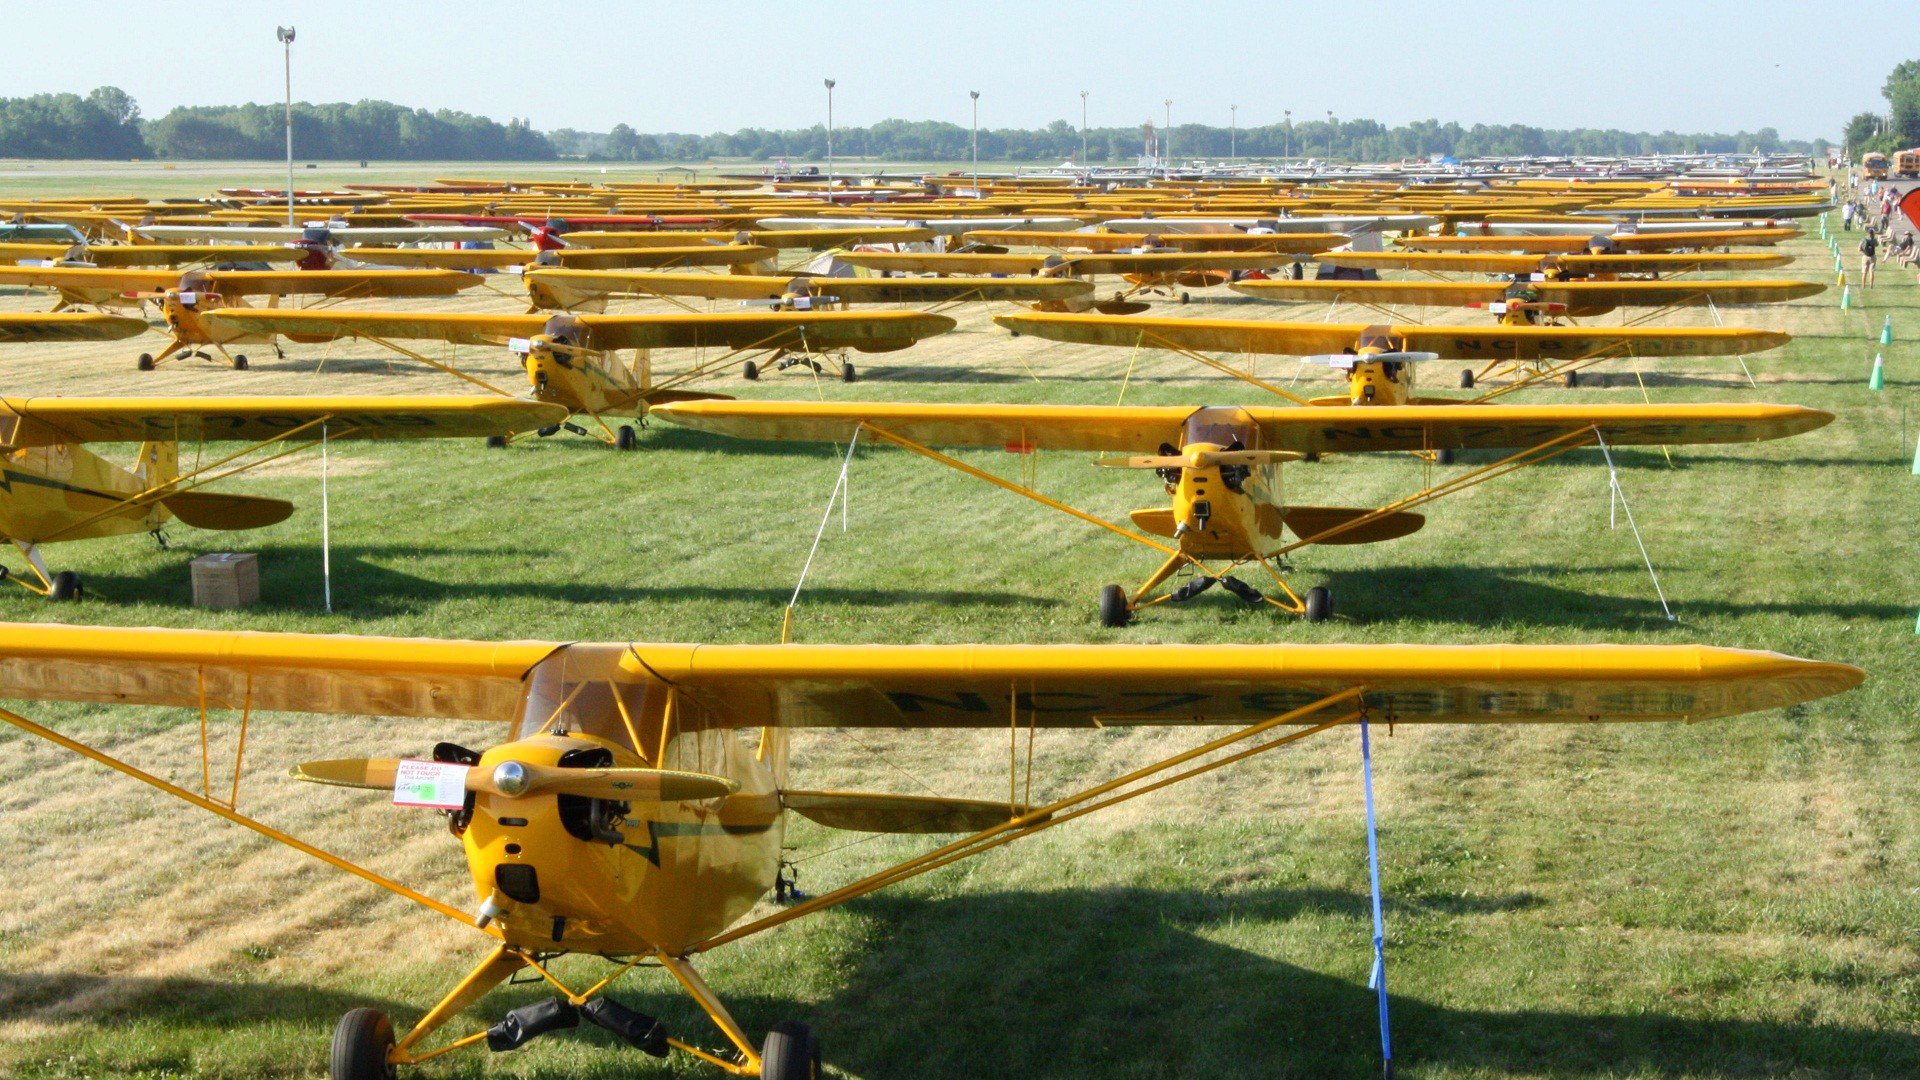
(1734, 899)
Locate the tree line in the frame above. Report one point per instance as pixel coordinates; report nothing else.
(107, 124)
(1899, 127)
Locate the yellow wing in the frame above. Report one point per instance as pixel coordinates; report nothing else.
(1277, 243)
(868, 331)
(372, 282)
(1486, 263)
(68, 326)
(1581, 297)
(932, 262)
(89, 279)
(565, 287)
(911, 686)
(46, 421)
(1321, 429)
(1452, 342)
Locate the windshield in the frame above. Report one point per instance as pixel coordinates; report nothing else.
(1222, 425)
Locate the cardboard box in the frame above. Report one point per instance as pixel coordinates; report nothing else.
(226, 580)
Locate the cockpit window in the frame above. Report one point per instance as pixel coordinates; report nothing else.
(1222, 425)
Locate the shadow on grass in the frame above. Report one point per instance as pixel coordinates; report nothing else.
(1117, 982)
(365, 587)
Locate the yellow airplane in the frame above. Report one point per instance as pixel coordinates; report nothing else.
(1154, 272)
(53, 489)
(588, 290)
(184, 298)
(1560, 245)
(569, 359)
(1221, 464)
(632, 809)
(1276, 243)
(1539, 352)
(1522, 301)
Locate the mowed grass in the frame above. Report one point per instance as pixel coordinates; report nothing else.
(1734, 899)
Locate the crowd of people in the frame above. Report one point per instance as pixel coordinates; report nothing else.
(1872, 206)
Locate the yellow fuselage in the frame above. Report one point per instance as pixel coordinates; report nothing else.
(65, 491)
(583, 382)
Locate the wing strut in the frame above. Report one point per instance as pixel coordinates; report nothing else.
(1138, 782)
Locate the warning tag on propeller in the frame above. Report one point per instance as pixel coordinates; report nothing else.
(437, 784)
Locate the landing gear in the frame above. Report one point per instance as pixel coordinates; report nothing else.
(790, 1052)
(240, 362)
(145, 363)
(66, 586)
(1319, 604)
(1443, 457)
(1572, 380)
(360, 1045)
(627, 439)
(1466, 378)
(1114, 610)
(1186, 298)
(496, 442)
(750, 371)
(547, 432)
(846, 373)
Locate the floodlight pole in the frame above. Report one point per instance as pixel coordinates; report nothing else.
(1233, 132)
(975, 95)
(1331, 124)
(1166, 141)
(1083, 129)
(285, 34)
(829, 83)
(1287, 151)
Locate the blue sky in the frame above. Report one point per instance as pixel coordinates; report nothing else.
(706, 66)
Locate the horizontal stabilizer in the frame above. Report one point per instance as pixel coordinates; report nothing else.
(864, 812)
(218, 510)
(1307, 522)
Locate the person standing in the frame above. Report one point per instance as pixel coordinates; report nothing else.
(1846, 216)
(1869, 253)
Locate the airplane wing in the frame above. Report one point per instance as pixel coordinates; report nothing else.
(912, 686)
(89, 279)
(119, 255)
(1495, 263)
(1318, 429)
(350, 234)
(366, 282)
(46, 421)
(1451, 342)
(868, 331)
(1165, 262)
(68, 326)
(933, 262)
(1417, 293)
(566, 285)
(1278, 243)
(1581, 297)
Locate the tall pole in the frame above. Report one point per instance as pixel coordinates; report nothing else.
(1166, 140)
(975, 95)
(829, 140)
(1287, 150)
(285, 34)
(1233, 132)
(1331, 123)
(1083, 129)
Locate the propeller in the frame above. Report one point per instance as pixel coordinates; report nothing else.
(1201, 459)
(1347, 360)
(516, 779)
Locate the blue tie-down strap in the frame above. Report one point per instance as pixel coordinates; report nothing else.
(1377, 978)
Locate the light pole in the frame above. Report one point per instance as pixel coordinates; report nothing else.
(1083, 129)
(1287, 139)
(1233, 132)
(829, 140)
(975, 95)
(285, 34)
(1331, 124)
(1166, 139)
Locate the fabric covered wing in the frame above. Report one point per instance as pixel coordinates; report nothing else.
(45, 421)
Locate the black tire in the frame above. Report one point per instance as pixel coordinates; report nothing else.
(1466, 378)
(847, 373)
(547, 432)
(627, 438)
(790, 1052)
(1572, 380)
(1186, 298)
(1319, 604)
(1114, 610)
(360, 1045)
(240, 362)
(145, 363)
(1443, 457)
(66, 586)
(750, 371)
(496, 442)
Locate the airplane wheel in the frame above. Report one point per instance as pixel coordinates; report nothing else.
(1319, 604)
(1114, 611)
(1443, 457)
(1572, 380)
(790, 1052)
(1466, 378)
(847, 373)
(627, 439)
(360, 1045)
(496, 442)
(1186, 298)
(750, 371)
(240, 362)
(66, 586)
(145, 363)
